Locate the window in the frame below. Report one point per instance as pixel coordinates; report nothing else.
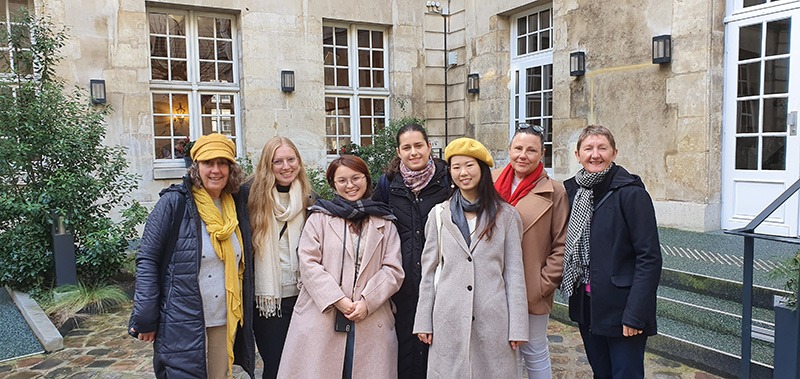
(532, 74)
(194, 82)
(356, 93)
(9, 11)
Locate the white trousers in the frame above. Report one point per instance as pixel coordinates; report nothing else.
(535, 352)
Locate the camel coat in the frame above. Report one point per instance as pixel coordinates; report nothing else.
(544, 212)
(313, 349)
(479, 302)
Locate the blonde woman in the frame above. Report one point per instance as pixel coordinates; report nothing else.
(278, 194)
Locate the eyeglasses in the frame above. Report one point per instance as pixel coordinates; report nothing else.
(287, 161)
(534, 128)
(343, 181)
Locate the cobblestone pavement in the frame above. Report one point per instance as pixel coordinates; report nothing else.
(100, 348)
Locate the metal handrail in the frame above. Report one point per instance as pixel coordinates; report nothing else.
(749, 234)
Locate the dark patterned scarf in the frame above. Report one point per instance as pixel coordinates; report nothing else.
(576, 249)
(417, 180)
(353, 210)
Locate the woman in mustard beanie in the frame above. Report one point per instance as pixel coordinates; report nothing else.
(194, 271)
(472, 307)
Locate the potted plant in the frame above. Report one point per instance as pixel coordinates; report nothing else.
(184, 148)
(786, 323)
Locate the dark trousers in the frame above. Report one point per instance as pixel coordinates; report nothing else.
(270, 336)
(412, 354)
(612, 357)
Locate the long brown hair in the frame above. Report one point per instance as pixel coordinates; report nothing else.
(261, 202)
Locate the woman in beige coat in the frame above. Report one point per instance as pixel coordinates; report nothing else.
(350, 263)
(474, 315)
(543, 206)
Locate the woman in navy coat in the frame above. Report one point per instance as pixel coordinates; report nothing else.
(612, 259)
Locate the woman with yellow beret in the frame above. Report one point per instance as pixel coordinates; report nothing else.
(194, 288)
(472, 307)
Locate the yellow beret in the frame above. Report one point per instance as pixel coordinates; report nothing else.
(470, 148)
(213, 146)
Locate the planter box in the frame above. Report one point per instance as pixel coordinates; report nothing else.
(787, 340)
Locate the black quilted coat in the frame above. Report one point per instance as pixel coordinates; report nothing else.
(412, 214)
(174, 308)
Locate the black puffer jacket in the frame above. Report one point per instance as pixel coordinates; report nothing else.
(174, 308)
(412, 214)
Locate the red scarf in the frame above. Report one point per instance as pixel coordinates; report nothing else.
(506, 180)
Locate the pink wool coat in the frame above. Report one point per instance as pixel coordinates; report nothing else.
(313, 349)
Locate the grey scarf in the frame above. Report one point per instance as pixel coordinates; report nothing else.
(458, 205)
(576, 249)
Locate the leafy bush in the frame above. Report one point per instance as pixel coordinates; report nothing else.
(52, 159)
(319, 184)
(789, 273)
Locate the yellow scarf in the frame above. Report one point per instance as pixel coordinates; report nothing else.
(220, 228)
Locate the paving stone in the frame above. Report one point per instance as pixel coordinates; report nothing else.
(6, 368)
(47, 364)
(100, 363)
(61, 372)
(28, 362)
(23, 375)
(97, 352)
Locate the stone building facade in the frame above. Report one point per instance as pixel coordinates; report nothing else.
(704, 131)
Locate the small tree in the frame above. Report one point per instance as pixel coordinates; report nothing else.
(52, 159)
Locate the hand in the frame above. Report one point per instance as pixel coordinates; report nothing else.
(516, 344)
(359, 312)
(426, 338)
(627, 331)
(146, 337)
(345, 306)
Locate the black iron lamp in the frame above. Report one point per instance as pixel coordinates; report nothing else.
(662, 49)
(577, 63)
(287, 81)
(473, 83)
(97, 90)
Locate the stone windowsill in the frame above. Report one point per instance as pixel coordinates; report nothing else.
(169, 172)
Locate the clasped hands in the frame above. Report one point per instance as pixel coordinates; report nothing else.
(354, 311)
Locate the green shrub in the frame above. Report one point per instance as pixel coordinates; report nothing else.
(319, 184)
(69, 301)
(52, 159)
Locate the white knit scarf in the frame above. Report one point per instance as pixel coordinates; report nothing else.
(268, 260)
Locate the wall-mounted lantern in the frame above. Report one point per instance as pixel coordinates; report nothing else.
(577, 63)
(287, 81)
(97, 90)
(662, 49)
(473, 83)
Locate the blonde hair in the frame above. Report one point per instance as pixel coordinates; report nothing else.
(260, 201)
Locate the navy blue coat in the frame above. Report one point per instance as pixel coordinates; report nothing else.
(625, 257)
(174, 308)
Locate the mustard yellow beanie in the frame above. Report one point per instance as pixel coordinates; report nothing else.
(213, 146)
(470, 148)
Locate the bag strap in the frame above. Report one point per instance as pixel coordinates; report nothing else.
(175, 229)
(383, 186)
(439, 209)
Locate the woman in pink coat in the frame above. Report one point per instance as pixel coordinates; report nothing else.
(350, 264)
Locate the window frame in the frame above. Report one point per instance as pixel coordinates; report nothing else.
(355, 92)
(193, 88)
(5, 48)
(519, 64)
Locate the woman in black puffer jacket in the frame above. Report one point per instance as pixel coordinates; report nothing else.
(413, 183)
(200, 308)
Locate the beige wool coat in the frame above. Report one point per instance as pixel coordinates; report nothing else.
(313, 349)
(544, 212)
(479, 303)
